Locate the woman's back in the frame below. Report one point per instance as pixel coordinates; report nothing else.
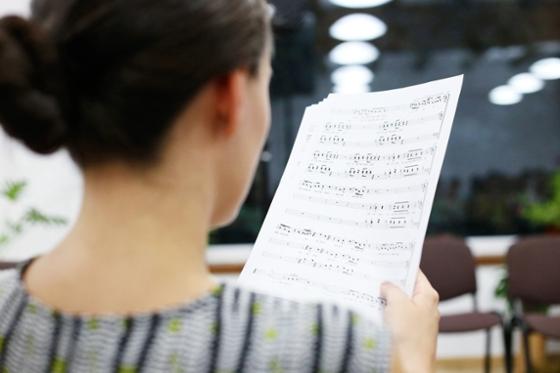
(228, 330)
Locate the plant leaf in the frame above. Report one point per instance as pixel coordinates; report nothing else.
(16, 228)
(547, 212)
(4, 239)
(13, 190)
(34, 216)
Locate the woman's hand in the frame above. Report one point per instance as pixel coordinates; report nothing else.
(413, 323)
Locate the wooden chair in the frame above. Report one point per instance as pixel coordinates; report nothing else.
(449, 265)
(534, 283)
(8, 265)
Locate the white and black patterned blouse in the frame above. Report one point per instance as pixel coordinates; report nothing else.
(231, 329)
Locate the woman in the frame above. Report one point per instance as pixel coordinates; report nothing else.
(164, 105)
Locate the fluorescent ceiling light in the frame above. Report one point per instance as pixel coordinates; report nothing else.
(352, 75)
(15, 7)
(354, 53)
(357, 4)
(504, 95)
(526, 83)
(547, 68)
(358, 27)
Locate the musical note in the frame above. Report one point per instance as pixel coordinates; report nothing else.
(369, 112)
(287, 230)
(338, 126)
(429, 100)
(311, 262)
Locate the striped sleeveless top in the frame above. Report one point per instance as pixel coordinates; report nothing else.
(230, 329)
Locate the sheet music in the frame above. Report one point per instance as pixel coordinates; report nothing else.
(353, 205)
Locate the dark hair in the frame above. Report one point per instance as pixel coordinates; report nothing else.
(106, 78)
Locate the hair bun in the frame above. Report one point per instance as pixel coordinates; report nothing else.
(30, 87)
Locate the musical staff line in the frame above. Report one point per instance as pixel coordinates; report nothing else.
(357, 191)
(395, 222)
(389, 208)
(368, 172)
(335, 290)
(307, 234)
(367, 159)
(380, 125)
(336, 140)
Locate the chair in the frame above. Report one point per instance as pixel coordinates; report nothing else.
(8, 265)
(534, 282)
(449, 265)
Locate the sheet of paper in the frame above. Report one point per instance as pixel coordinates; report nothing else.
(353, 205)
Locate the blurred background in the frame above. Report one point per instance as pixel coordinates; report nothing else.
(501, 177)
(505, 144)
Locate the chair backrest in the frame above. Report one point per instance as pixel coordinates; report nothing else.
(448, 263)
(534, 270)
(8, 265)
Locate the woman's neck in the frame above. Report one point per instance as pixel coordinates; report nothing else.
(138, 245)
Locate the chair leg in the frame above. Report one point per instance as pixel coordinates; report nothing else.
(527, 352)
(487, 366)
(508, 358)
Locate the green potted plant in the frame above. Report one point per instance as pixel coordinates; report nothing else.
(539, 213)
(546, 213)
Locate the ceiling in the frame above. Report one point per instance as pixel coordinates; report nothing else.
(425, 26)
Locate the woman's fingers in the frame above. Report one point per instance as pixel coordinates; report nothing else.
(422, 282)
(424, 293)
(393, 294)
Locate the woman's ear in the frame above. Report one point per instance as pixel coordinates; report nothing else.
(230, 94)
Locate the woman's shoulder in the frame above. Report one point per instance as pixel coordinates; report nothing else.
(331, 333)
(239, 299)
(8, 283)
(236, 296)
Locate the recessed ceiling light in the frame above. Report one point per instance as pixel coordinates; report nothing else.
(352, 75)
(351, 88)
(356, 4)
(526, 83)
(354, 53)
(547, 68)
(15, 7)
(504, 95)
(358, 27)
(505, 53)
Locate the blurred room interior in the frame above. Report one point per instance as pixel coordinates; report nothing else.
(500, 183)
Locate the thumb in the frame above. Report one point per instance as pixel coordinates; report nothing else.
(393, 294)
